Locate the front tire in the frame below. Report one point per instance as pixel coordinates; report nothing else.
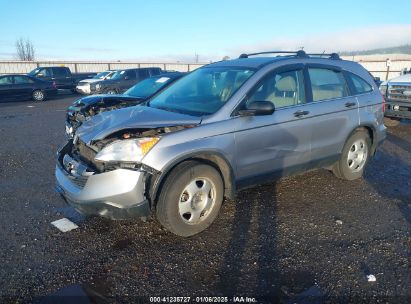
(391, 122)
(111, 91)
(354, 156)
(38, 95)
(190, 198)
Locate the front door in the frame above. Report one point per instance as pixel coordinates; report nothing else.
(276, 145)
(23, 86)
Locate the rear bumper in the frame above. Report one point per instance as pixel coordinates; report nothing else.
(380, 136)
(398, 109)
(117, 194)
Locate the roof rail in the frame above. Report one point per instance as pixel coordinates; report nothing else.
(331, 55)
(299, 53)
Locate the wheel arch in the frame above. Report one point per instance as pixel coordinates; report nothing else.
(371, 132)
(212, 158)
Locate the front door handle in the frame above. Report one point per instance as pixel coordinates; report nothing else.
(350, 104)
(301, 113)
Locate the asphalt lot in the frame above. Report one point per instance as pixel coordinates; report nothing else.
(310, 234)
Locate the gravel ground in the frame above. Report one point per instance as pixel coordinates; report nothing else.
(307, 235)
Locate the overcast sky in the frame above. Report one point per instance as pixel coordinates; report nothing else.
(167, 30)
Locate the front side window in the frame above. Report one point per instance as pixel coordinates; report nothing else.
(283, 89)
(327, 84)
(131, 74)
(101, 75)
(360, 86)
(43, 72)
(203, 91)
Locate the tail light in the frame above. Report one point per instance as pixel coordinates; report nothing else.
(383, 103)
(54, 84)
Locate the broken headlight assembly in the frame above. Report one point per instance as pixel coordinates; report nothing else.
(129, 150)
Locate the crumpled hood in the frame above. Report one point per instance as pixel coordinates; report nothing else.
(106, 123)
(91, 80)
(401, 79)
(93, 99)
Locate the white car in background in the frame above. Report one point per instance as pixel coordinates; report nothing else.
(83, 87)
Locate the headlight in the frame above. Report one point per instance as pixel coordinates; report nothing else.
(130, 150)
(383, 89)
(77, 102)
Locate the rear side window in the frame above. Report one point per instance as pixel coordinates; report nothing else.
(143, 74)
(6, 80)
(22, 80)
(360, 86)
(327, 84)
(156, 71)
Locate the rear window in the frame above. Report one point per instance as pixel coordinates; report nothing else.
(6, 80)
(360, 86)
(60, 72)
(327, 84)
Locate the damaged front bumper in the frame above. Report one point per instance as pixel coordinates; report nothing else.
(116, 194)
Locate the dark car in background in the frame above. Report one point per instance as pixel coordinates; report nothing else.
(122, 80)
(88, 106)
(25, 87)
(83, 86)
(62, 76)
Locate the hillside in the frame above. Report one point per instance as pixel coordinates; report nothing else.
(404, 49)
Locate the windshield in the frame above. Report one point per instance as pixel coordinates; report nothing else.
(203, 91)
(117, 75)
(34, 72)
(102, 75)
(148, 86)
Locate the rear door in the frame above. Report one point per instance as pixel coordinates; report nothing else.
(23, 86)
(6, 88)
(334, 112)
(271, 146)
(62, 77)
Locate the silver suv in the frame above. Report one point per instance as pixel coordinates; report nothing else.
(223, 127)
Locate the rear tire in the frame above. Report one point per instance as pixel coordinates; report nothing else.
(190, 198)
(38, 95)
(391, 122)
(354, 156)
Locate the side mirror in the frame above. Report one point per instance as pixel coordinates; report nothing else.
(126, 77)
(40, 75)
(258, 108)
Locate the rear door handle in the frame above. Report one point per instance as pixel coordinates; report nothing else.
(350, 104)
(301, 113)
